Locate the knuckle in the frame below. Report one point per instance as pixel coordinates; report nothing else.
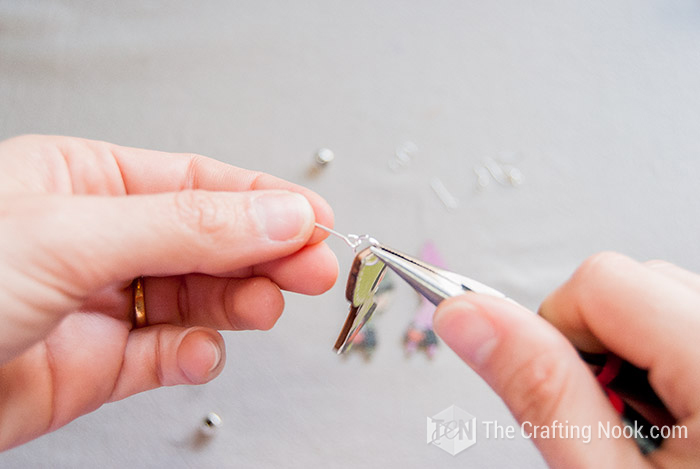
(200, 213)
(658, 264)
(194, 163)
(583, 291)
(194, 159)
(593, 270)
(534, 392)
(598, 264)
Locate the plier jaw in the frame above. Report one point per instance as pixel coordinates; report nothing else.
(432, 282)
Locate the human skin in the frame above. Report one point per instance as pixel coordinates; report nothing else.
(79, 219)
(646, 313)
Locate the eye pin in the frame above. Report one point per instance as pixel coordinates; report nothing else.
(352, 240)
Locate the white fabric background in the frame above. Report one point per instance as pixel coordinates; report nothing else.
(598, 101)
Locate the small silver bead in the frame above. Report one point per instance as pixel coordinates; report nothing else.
(324, 156)
(211, 422)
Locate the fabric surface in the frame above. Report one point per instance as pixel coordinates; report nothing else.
(596, 103)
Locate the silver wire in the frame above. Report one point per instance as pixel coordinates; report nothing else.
(352, 240)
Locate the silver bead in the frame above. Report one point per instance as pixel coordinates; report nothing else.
(323, 157)
(211, 422)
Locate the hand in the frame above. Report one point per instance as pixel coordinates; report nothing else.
(80, 219)
(648, 314)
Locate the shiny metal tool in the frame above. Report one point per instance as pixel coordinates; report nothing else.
(368, 268)
(432, 282)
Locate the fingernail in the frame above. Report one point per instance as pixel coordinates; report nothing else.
(216, 352)
(283, 216)
(198, 356)
(466, 330)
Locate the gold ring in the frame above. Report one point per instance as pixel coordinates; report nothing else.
(139, 319)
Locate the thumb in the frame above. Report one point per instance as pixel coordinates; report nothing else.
(93, 241)
(538, 374)
(58, 250)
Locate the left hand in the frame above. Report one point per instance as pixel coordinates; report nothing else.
(80, 219)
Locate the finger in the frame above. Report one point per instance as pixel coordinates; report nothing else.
(95, 167)
(59, 378)
(159, 235)
(239, 304)
(687, 278)
(189, 171)
(90, 359)
(312, 270)
(219, 303)
(578, 332)
(539, 376)
(644, 316)
(65, 248)
(167, 355)
(226, 303)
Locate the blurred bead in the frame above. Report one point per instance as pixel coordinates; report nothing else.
(323, 157)
(211, 422)
(403, 156)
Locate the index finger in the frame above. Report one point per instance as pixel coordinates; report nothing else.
(149, 171)
(644, 316)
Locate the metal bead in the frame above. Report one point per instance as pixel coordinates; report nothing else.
(211, 422)
(323, 157)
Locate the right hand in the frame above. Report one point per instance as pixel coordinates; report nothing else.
(647, 314)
